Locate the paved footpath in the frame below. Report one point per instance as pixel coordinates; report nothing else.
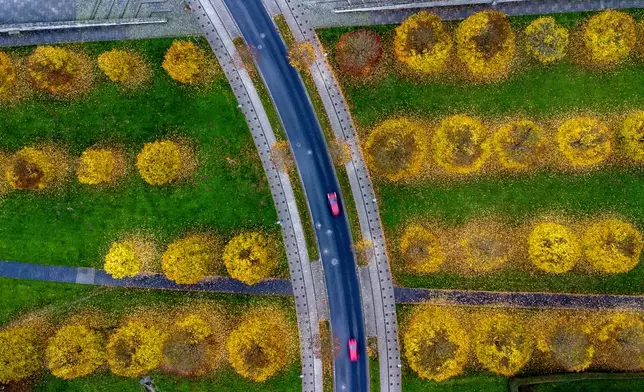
(81, 275)
(404, 295)
(379, 305)
(216, 24)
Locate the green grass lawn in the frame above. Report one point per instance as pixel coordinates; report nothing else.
(535, 91)
(590, 386)
(468, 383)
(75, 224)
(58, 300)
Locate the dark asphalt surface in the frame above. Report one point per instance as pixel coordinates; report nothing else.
(318, 177)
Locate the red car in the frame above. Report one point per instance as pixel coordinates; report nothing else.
(353, 350)
(333, 203)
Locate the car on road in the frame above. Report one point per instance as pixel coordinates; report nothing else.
(353, 350)
(333, 203)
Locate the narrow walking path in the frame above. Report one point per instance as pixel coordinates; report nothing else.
(403, 295)
(519, 300)
(80, 275)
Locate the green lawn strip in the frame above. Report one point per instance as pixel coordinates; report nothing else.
(374, 375)
(517, 200)
(590, 386)
(74, 225)
(276, 124)
(224, 380)
(474, 382)
(327, 131)
(534, 90)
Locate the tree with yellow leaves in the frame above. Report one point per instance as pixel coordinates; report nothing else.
(249, 258)
(124, 67)
(7, 73)
(30, 168)
(396, 149)
(485, 44)
(122, 261)
(612, 246)
(188, 260)
(160, 162)
(185, 62)
(546, 40)
(421, 250)
(100, 166)
(584, 141)
(484, 246)
(609, 37)
(19, 353)
(75, 351)
(461, 145)
(632, 136)
(135, 348)
(553, 248)
(566, 340)
(196, 340)
(519, 144)
(262, 344)
(502, 343)
(301, 55)
(435, 344)
(423, 44)
(620, 341)
(57, 70)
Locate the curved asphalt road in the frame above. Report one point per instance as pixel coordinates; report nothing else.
(318, 176)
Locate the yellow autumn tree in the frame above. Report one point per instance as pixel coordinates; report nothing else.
(196, 340)
(461, 145)
(421, 250)
(423, 44)
(620, 341)
(609, 37)
(546, 40)
(566, 341)
(125, 67)
(612, 246)
(188, 260)
(249, 258)
(7, 73)
(435, 344)
(301, 55)
(484, 246)
(485, 44)
(185, 62)
(584, 141)
(262, 344)
(30, 168)
(75, 351)
(632, 136)
(100, 166)
(20, 353)
(502, 344)
(136, 347)
(122, 261)
(160, 162)
(553, 248)
(58, 71)
(396, 149)
(519, 144)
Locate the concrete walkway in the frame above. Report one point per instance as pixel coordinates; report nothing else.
(377, 286)
(80, 275)
(216, 23)
(519, 300)
(403, 295)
